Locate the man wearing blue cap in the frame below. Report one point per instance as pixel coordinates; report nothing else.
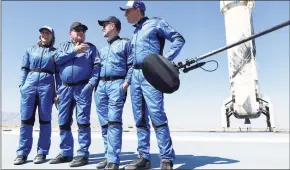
(149, 38)
(110, 96)
(79, 66)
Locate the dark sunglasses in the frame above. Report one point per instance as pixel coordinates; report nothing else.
(79, 30)
(106, 23)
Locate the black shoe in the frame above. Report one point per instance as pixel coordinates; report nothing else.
(166, 164)
(39, 159)
(102, 164)
(112, 166)
(61, 159)
(20, 160)
(79, 161)
(139, 163)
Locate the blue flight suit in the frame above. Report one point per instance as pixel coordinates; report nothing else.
(37, 88)
(149, 38)
(116, 68)
(77, 72)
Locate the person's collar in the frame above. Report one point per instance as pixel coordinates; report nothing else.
(113, 39)
(140, 22)
(40, 44)
(45, 45)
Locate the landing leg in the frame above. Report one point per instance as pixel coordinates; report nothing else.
(225, 109)
(269, 113)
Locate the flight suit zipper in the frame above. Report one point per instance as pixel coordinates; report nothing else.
(40, 66)
(107, 60)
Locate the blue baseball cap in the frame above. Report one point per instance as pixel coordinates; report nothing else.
(134, 4)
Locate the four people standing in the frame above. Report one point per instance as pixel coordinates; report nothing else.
(82, 69)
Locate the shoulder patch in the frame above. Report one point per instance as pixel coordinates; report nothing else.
(30, 48)
(65, 43)
(157, 18)
(33, 46)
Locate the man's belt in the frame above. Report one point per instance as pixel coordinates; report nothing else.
(42, 70)
(76, 83)
(138, 66)
(112, 78)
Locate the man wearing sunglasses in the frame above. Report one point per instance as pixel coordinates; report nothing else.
(79, 66)
(110, 96)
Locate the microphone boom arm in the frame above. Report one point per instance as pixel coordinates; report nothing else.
(189, 62)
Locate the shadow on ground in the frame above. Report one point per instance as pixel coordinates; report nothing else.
(186, 161)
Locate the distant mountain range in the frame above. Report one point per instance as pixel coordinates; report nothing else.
(188, 120)
(13, 119)
(10, 118)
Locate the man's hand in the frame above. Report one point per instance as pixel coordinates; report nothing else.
(80, 48)
(125, 86)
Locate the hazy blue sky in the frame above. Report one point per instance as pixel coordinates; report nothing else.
(198, 102)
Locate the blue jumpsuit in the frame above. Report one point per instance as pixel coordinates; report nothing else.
(37, 88)
(76, 71)
(110, 96)
(149, 38)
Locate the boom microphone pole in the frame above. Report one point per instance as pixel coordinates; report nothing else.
(189, 62)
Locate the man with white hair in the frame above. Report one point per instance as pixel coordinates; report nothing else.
(79, 66)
